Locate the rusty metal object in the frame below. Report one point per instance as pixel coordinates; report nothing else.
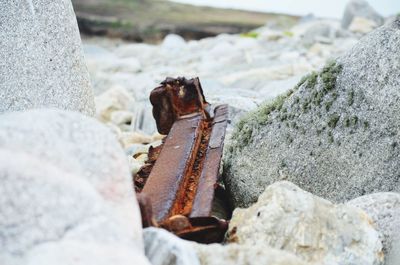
(181, 176)
(174, 99)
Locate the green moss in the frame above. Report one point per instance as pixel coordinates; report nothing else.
(347, 122)
(329, 75)
(350, 97)
(250, 34)
(354, 120)
(244, 131)
(366, 124)
(333, 120)
(330, 137)
(312, 80)
(242, 135)
(328, 105)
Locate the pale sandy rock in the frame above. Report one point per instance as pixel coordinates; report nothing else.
(129, 138)
(121, 117)
(362, 25)
(116, 98)
(317, 231)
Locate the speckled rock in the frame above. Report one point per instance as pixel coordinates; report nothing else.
(51, 216)
(235, 254)
(42, 61)
(360, 8)
(315, 230)
(164, 248)
(74, 143)
(335, 134)
(384, 210)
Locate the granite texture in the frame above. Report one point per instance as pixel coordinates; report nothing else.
(42, 61)
(335, 134)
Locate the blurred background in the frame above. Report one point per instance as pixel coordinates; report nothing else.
(151, 20)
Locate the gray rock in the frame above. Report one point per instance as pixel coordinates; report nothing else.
(49, 216)
(164, 248)
(384, 209)
(360, 8)
(335, 134)
(42, 61)
(319, 32)
(315, 230)
(76, 144)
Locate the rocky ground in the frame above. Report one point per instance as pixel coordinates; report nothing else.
(314, 159)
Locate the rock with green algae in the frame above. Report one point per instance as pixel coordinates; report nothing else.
(335, 135)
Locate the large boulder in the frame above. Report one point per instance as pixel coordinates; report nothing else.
(67, 193)
(41, 57)
(315, 230)
(335, 134)
(360, 9)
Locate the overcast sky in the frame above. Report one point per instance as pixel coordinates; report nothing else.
(321, 8)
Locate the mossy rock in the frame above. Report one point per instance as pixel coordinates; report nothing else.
(334, 131)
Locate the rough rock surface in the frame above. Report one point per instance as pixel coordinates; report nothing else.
(384, 209)
(335, 134)
(315, 230)
(74, 143)
(80, 146)
(50, 216)
(42, 61)
(164, 248)
(235, 254)
(360, 8)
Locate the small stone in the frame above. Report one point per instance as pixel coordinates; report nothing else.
(115, 99)
(121, 117)
(129, 138)
(173, 41)
(164, 248)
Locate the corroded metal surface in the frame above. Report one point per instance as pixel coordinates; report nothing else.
(173, 164)
(202, 204)
(180, 178)
(174, 99)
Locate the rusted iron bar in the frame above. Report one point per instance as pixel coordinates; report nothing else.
(181, 176)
